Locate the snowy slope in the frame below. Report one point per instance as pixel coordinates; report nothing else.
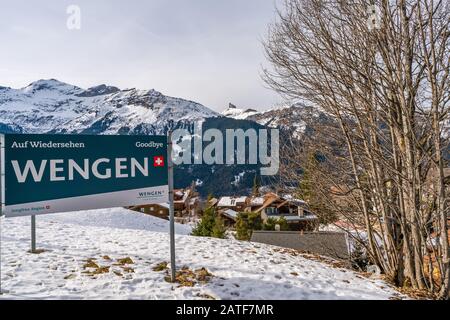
(117, 218)
(241, 270)
(54, 106)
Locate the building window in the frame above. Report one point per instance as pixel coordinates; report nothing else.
(152, 209)
(142, 210)
(302, 212)
(271, 211)
(161, 212)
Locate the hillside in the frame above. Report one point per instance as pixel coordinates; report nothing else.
(74, 243)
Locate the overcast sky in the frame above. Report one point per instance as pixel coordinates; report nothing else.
(203, 50)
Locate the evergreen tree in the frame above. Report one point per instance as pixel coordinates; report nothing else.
(218, 230)
(242, 227)
(272, 222)
(246, 223)
(306, 184)
(211, 225)
(205, 226)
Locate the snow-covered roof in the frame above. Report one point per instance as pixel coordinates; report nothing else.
(257, 201)
(182, 193)
(231, 214)
(293, 199)
(231, 201)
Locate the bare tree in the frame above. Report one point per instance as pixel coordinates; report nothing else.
(385, 79)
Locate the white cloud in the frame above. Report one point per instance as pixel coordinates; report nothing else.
(207, 51)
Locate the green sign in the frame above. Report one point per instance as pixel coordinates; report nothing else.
(58, 173)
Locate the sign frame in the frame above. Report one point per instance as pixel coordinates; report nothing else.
(170, 199)
(98, 171)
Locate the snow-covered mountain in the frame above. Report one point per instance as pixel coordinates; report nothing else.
(291, 118)
(55, 106)
(237, 113)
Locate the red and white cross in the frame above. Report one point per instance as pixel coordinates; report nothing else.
(158, 161)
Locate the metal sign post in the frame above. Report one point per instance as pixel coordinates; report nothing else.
(1, 218)
(1, 204)
(33, 234)
(171, 206)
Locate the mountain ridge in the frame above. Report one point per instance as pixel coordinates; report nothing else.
(54, 106)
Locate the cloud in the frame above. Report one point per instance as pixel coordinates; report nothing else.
(207, 51)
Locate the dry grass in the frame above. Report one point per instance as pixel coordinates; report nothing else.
(124, 261)
(188, 278)
(37, 251)
(90, 263)
(96, 269)
(161, 266)
(416, 294)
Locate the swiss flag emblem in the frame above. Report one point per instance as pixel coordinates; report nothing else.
(158, 161)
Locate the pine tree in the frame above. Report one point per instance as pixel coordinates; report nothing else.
(242, 227)
(218, 230)
(211, 225)
(246, 223)
(272, 222)
(205, 226)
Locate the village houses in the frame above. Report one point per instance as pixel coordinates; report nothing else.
(270, 205)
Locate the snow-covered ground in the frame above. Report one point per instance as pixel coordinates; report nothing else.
(241, 270)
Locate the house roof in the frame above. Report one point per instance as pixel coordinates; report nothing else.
(231, 201)
(295, 218)
(213, 202)
(165, 205)
(257, 201)
(230, 214)
(268, 200)
(294, 200)
(184, 194)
